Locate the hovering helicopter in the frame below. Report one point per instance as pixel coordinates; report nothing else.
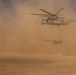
(53, 19)
(55, 41)
(50, 18)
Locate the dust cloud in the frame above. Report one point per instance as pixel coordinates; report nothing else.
(21, 34)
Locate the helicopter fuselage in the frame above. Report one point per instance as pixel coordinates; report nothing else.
(53, 21)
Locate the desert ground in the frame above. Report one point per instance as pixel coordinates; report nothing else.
(55, 65)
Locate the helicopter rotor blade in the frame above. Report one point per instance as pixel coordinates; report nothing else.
(46, 11)
(60, 10)
(40, 14)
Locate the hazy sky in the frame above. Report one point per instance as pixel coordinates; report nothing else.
(10, 5)
(21, 33)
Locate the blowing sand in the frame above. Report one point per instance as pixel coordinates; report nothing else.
(22, 49)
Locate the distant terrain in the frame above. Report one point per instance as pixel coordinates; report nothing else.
(33, 66)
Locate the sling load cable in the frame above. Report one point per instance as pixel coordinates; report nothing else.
(59, 33)
(51, 32)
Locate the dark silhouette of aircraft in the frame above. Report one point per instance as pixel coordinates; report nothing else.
(49, 17)
(55, 42)
(53, 19)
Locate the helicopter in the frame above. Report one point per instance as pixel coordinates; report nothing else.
(53, 19)
(49, 18)
(55, 42)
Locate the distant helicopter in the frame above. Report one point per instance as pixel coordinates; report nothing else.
(49, 18)
(55, 41)
(53, 19)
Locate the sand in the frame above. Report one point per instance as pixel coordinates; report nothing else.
(39, 66)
